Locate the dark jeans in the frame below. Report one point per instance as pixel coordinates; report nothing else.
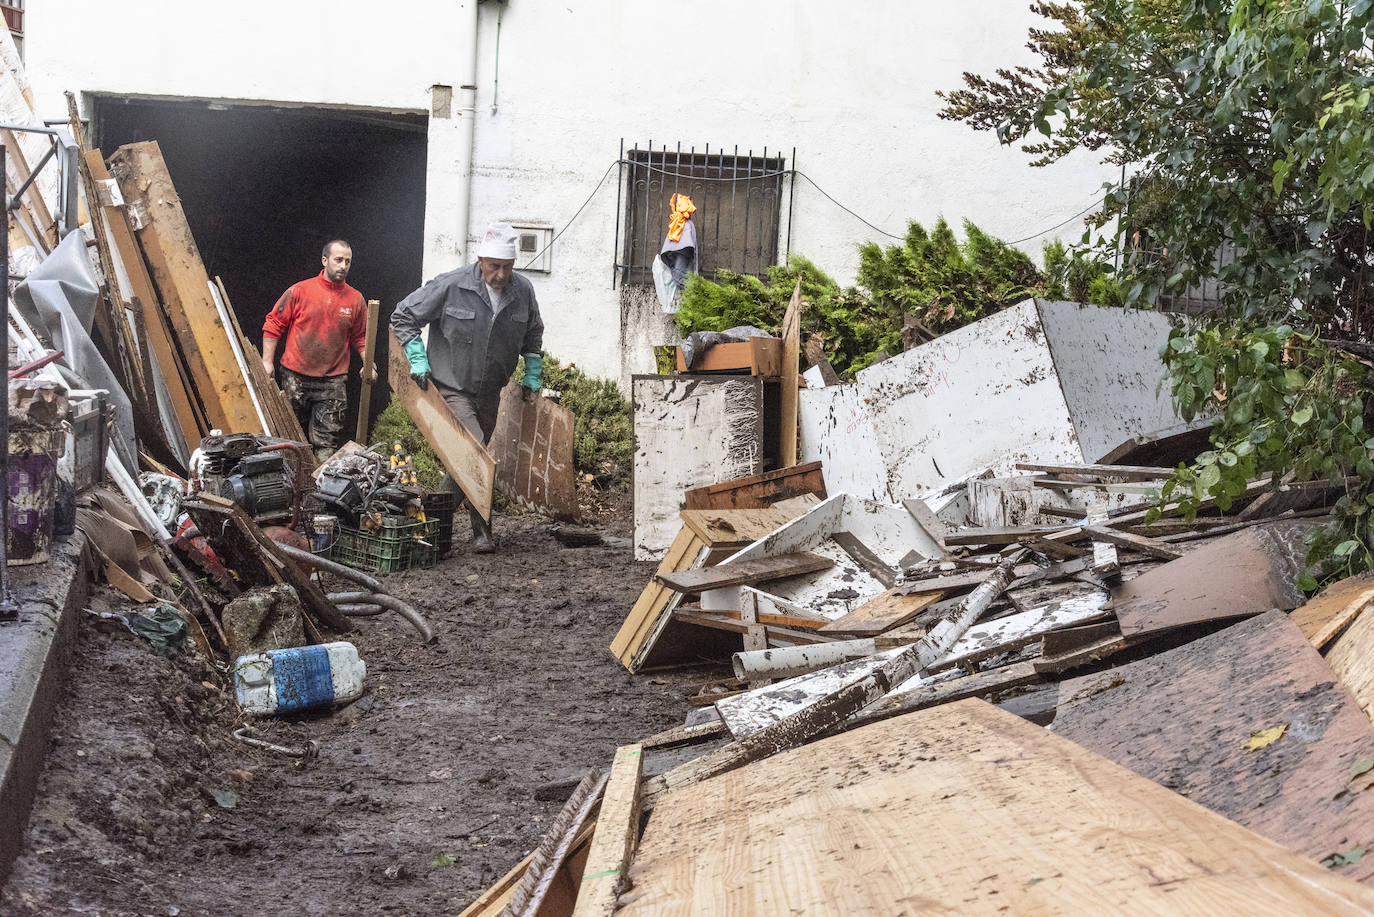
(319, 403)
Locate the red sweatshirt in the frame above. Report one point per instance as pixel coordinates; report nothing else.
(324, 319)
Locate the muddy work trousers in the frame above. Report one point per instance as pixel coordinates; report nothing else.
(319, 403)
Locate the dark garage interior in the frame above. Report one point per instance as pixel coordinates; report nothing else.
(265, 187)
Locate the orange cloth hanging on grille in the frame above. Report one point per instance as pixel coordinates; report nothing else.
(682, 209)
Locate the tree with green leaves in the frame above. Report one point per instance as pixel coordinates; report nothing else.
(1247, 123)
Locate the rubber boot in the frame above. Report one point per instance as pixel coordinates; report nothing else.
(482, 540)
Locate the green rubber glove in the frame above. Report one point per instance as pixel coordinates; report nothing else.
(419, 361)
(534, 371)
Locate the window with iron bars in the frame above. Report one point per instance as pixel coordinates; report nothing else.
(738, 199)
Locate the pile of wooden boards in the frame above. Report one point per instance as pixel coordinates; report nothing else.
(1210, 743)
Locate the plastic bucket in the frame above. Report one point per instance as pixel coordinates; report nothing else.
(32, 494)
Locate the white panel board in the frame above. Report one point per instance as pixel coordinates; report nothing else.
(1110, 372)
(689, 432)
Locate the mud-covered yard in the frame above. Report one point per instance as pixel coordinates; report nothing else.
(423, 793)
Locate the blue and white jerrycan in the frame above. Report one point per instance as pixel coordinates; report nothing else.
(283, 681)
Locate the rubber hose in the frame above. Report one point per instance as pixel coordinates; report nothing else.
(361, 610)
(386, 601)
(334, 567)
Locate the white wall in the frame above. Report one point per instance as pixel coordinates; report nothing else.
(850, 86)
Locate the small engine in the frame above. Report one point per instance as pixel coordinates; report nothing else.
(253, 471)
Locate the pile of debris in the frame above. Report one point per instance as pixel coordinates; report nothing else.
(897, 653)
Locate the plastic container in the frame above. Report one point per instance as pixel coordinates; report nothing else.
(440, 507)
(326, 528)
(397, 547)
(32, 494)
(284, 681)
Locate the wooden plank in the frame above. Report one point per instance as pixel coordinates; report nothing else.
(281, 416)
(690, 431)
(976, 535)
(532, 446)
(776, 629)
(143, 299)
(1186, 717)
(927, 520)
(184, 287)
(1140, 543)
(814, 348)
(374, 307)
(613, 842)
(718, 527)
(791, 359)
(744, 572)
(529, 893)
(759, 490)
(864, 557)
(1105, 559)
(1326, 614)
(652, 611)
(1090, 470)
(465, 459)
(1071, 639)
(1242, 574)
(960, 809)
(881, 613)
(979, 684)
(1352, 658)
(1001, 635)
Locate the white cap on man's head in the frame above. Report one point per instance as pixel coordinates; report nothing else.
(498, 242)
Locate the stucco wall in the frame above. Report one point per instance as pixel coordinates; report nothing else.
(851, 87)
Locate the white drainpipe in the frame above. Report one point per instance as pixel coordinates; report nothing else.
(448, 170)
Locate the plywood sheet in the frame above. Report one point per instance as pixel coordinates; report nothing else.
(960, 809)
(465, 459)
(1238, 575)
(1184, 718)
(1352, 658)
(533, 449)
(1324, 615)
(689, 432)
(737, 526)
(654, 608)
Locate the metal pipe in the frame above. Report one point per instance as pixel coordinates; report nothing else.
(619, 188)
(791, 199)
(786, 662)
(8, 608)
(15, 199)
(386, 601)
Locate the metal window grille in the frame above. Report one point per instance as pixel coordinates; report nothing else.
(738, 197)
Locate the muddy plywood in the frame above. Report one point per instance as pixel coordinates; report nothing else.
(961, 809)
(1236, 576)
(1185, 719)
(1351, 657)
(689, 432)
(533, 449)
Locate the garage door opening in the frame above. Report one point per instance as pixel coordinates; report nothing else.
(264, 188)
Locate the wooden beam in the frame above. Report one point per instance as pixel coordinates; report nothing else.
(655, 604)
(613, 842)
(281, 416)
(791, 358)
(744, 572)
(553, 848)
(980, 684)
(760, 490)
(465, 459)
(881, 613)
(862, 555)
(369, 357)
(1134, 542)
(1117, 472)
(1009, 535)
(184, 287)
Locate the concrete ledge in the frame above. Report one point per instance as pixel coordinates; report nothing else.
(33, 657)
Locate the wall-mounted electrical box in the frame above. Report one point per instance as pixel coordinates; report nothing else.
(532, 252)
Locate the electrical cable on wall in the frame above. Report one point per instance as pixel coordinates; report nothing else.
(795, 173)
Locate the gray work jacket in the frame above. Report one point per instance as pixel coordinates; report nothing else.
(471, 348)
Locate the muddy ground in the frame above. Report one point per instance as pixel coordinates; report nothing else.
(424, 792)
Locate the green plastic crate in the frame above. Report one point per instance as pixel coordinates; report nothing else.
(395, 548)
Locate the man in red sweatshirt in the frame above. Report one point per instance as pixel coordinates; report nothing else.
(322, 319)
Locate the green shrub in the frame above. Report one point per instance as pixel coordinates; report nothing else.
(603, 431)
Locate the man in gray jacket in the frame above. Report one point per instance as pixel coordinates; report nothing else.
(482, 318)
